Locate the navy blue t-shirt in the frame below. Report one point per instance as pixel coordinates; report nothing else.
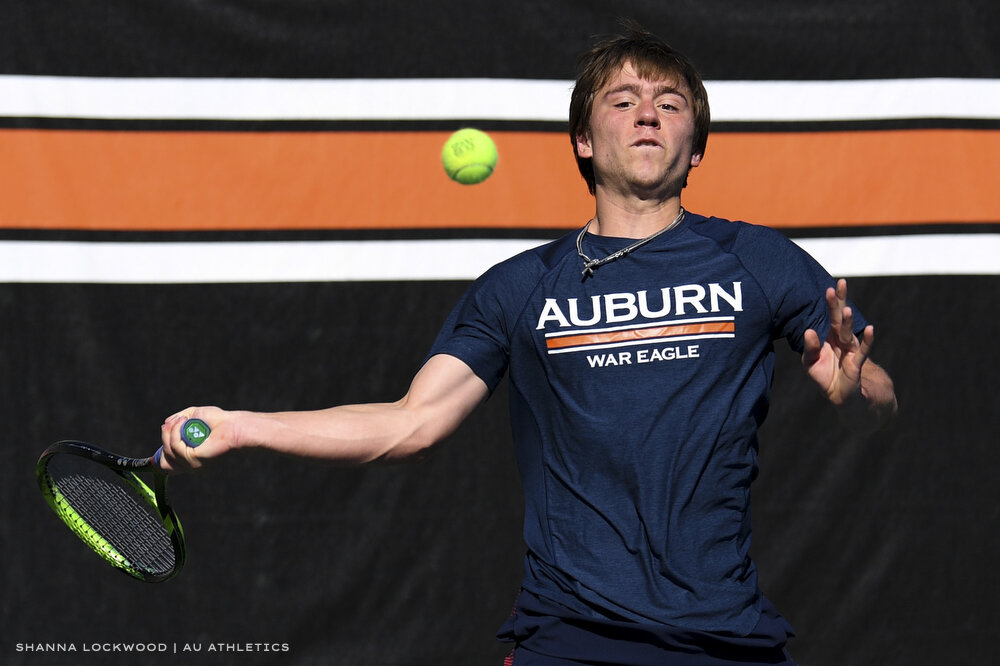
(635, 398)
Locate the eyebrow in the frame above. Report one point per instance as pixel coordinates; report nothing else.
(664, 89)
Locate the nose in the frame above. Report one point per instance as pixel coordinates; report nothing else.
(646, 115)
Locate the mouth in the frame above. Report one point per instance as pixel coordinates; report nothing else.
(647, 143)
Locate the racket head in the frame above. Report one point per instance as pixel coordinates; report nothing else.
(102, 499)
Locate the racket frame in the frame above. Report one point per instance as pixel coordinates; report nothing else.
(128, 469)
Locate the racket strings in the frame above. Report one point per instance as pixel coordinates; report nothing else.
(111, 514)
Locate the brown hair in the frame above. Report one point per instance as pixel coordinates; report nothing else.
(650, 56)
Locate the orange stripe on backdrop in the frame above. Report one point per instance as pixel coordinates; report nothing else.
(850, 178)
(342, 180)
(275, 180)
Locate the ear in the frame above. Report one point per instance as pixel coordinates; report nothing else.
(696, 159)
(583, 147)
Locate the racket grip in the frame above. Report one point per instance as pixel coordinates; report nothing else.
(194, 432)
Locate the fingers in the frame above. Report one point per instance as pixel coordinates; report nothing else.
(845, 334)
(174, 455)
(811, 348)
(841, 317)
(835, 304)
(865, 345)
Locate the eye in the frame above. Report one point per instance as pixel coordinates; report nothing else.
(671, 103)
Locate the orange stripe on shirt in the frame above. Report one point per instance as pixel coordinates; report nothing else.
(633, 334)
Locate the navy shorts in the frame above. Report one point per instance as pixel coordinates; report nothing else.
(540, 629)
(523, 657)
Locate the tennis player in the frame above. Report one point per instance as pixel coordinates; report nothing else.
(639, 353)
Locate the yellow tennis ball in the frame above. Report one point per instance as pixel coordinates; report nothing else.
(469, 156)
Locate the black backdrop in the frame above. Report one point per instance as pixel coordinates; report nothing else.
(879, 550)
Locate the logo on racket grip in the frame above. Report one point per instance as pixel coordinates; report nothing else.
(194, 432)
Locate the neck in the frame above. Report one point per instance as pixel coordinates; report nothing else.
(636, 219)
(590, 264)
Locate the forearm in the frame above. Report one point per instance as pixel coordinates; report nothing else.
(352, 434)
(440, 397)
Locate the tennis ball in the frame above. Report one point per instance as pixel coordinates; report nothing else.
(469, 156)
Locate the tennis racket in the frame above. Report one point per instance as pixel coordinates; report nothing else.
(102, 499)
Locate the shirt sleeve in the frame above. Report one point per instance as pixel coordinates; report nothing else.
(478, 331)
(794, 282)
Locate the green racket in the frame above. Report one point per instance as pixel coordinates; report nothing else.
(102, 499)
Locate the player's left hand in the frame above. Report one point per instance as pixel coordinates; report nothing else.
(835, 364)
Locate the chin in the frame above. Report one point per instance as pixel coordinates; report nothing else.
(654, 186)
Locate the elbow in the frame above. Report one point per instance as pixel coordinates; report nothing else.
(414, 447)
(407, 452)
(421, 425)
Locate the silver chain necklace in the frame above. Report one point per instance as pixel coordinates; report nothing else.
(590, 264)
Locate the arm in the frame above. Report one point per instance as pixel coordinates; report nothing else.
(442, 394)
(861, 390)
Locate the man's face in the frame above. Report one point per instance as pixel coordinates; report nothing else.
(641, 136)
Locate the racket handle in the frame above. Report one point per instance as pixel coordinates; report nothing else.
(194, 432)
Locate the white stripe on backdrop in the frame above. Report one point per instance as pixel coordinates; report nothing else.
(472, 99)
(335, 261)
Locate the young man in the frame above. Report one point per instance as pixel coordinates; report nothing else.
(639, 351)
